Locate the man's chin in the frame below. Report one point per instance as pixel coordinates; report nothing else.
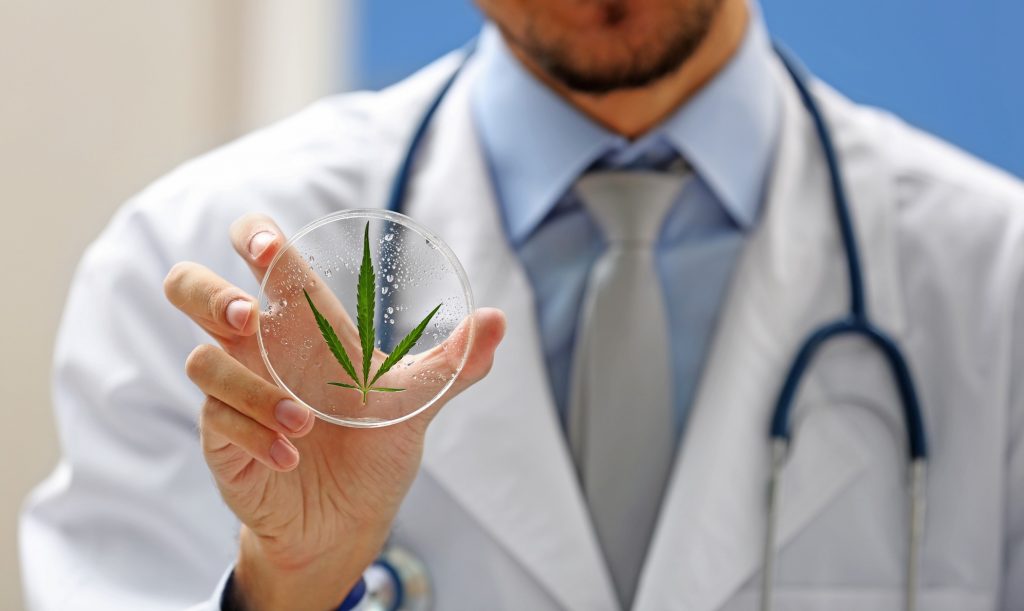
(605, 80)
(603, 66)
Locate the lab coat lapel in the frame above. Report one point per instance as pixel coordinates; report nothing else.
(790, 278)
(498, 449)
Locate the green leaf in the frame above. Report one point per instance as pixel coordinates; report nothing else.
(366, 297)
(404, 346)
(337, 349)
(344, 385)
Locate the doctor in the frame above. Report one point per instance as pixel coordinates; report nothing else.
(586, 147)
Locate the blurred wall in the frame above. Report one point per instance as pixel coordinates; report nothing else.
(393, 42)
(98, 99)
(952, 68)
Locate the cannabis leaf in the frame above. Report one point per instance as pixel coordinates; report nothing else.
(337, 349)
(366, 297)
(404, 346)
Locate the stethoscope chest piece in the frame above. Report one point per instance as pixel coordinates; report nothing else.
(397, 581)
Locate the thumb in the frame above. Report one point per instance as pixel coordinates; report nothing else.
(488, 331)
(483, 330)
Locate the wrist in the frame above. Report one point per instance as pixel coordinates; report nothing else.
(267, 578)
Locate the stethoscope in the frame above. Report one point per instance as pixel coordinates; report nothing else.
(856, 322)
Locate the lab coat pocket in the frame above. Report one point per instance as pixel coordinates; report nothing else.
(857, 534)
(851, 554)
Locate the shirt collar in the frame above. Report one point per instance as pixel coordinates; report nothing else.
(537, 144)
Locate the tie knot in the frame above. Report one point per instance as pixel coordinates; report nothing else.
(629, 206)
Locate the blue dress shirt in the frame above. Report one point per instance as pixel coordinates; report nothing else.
(537, 145)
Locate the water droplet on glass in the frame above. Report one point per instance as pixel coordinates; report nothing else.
(390, 278)
(391, 310)
(328, 272)
(384, 290)
(389, 237)
(284, 303)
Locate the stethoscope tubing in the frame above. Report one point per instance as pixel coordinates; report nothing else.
(857, 323)
(400, 183)
(781, 418)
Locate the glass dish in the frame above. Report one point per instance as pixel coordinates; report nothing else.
(312, 331)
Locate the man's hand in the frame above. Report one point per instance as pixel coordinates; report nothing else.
(316, 500)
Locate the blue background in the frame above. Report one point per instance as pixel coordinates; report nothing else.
(952, 67)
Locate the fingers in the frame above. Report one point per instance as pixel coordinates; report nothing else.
(223, 428)
(257, 239)
(222, 377)
(218, 306)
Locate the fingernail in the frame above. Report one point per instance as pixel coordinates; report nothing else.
(259, 243)
(238, 313)
(292, 415)
(284, 454)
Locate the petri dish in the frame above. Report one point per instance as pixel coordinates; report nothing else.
(365, 318)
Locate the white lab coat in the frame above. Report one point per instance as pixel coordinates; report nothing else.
(131, 520)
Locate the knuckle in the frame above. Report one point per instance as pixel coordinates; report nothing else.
(211, 413)
(226, 422)
(199, 361)
(480, 372)
(215, 415)
(256, 398)
(472, 376)
(218, 300)
(486, 370)
(215, 420)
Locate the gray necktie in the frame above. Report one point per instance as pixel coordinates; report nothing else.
(621, 423)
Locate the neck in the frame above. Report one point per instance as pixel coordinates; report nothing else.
(633, 112)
